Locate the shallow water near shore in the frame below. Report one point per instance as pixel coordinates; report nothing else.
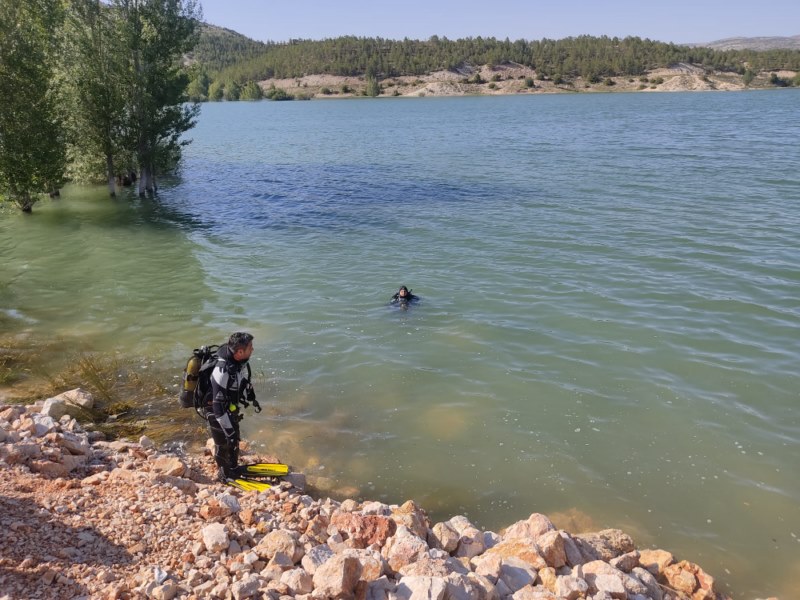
(609, 326)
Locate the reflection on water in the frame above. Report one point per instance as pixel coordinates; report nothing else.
(608, 331)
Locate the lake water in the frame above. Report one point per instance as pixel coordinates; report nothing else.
(609, 329)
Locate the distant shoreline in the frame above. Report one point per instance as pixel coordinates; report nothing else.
(514, 79)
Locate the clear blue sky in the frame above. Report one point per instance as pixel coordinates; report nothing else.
(679, 21)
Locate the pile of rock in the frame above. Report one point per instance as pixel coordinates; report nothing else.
(82, 517)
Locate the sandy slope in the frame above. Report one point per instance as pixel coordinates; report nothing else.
(511, 79)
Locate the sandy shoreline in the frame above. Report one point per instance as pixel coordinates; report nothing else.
(517, 79)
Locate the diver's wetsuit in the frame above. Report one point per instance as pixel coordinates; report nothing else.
(229, 382)
(407, 299)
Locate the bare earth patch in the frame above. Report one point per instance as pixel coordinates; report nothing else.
(511, 79)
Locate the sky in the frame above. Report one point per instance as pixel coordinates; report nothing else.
(678, 21)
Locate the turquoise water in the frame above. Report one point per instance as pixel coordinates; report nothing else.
(609, 328)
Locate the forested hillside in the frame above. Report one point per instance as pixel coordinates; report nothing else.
(232, 58)
(218, 48)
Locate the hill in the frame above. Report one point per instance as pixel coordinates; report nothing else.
(755, 43)
(230, 66)
(219, 48)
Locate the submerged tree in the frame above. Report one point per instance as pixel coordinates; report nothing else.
(32, 141)
(95, 64)
(155, 34)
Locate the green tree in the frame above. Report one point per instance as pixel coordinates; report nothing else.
(32, 140)
(199, 83)
(232, 91)
(251, 91)
(216, 91)
(95, 71)
(155, 34)
(373, 88)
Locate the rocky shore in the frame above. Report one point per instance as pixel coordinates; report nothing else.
(82, 517)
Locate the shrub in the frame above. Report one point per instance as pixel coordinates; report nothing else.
(492, 86)
(748, 77)
(496, 77)
(778, 81)
(274, 93)
(657, 80)
(346, 89)
(609, 82)
(529, 82)
(326, 91)
(476, 79)
(558, 79)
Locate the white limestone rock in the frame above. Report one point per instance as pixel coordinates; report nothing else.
(215, 537)
(315, 557)
(246, 588)
(516, 574)
(337, 577)
(444, 536)
(421, 588)
(298, 581)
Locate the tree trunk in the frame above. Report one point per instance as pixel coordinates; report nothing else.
(25, 202)
(153, 185)
(112, 190)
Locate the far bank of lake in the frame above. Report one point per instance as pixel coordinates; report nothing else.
(513, 79)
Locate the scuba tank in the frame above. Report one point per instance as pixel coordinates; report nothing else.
(197, 378)
(190, 376)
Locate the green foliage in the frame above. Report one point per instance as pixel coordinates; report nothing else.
(476, 78)
(95, 66)
(345, 89)
(218, 48)
(241, 60)
(373, 88)
(496, 77)
(326, 91)
(251, 91)
(609, 82)
(199, 83)
(657, 80)
(274, 93)
(32, 132)
(216, 91)
(232, 91)
(748, 76)
(155, 34)
(492, 86)
(778, 81)
(529, 82)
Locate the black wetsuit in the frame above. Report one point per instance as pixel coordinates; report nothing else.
(407, 299)
(230, 382)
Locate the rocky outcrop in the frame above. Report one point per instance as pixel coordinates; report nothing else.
(83, 517)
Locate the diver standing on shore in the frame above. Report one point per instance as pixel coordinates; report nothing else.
(230, 387)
